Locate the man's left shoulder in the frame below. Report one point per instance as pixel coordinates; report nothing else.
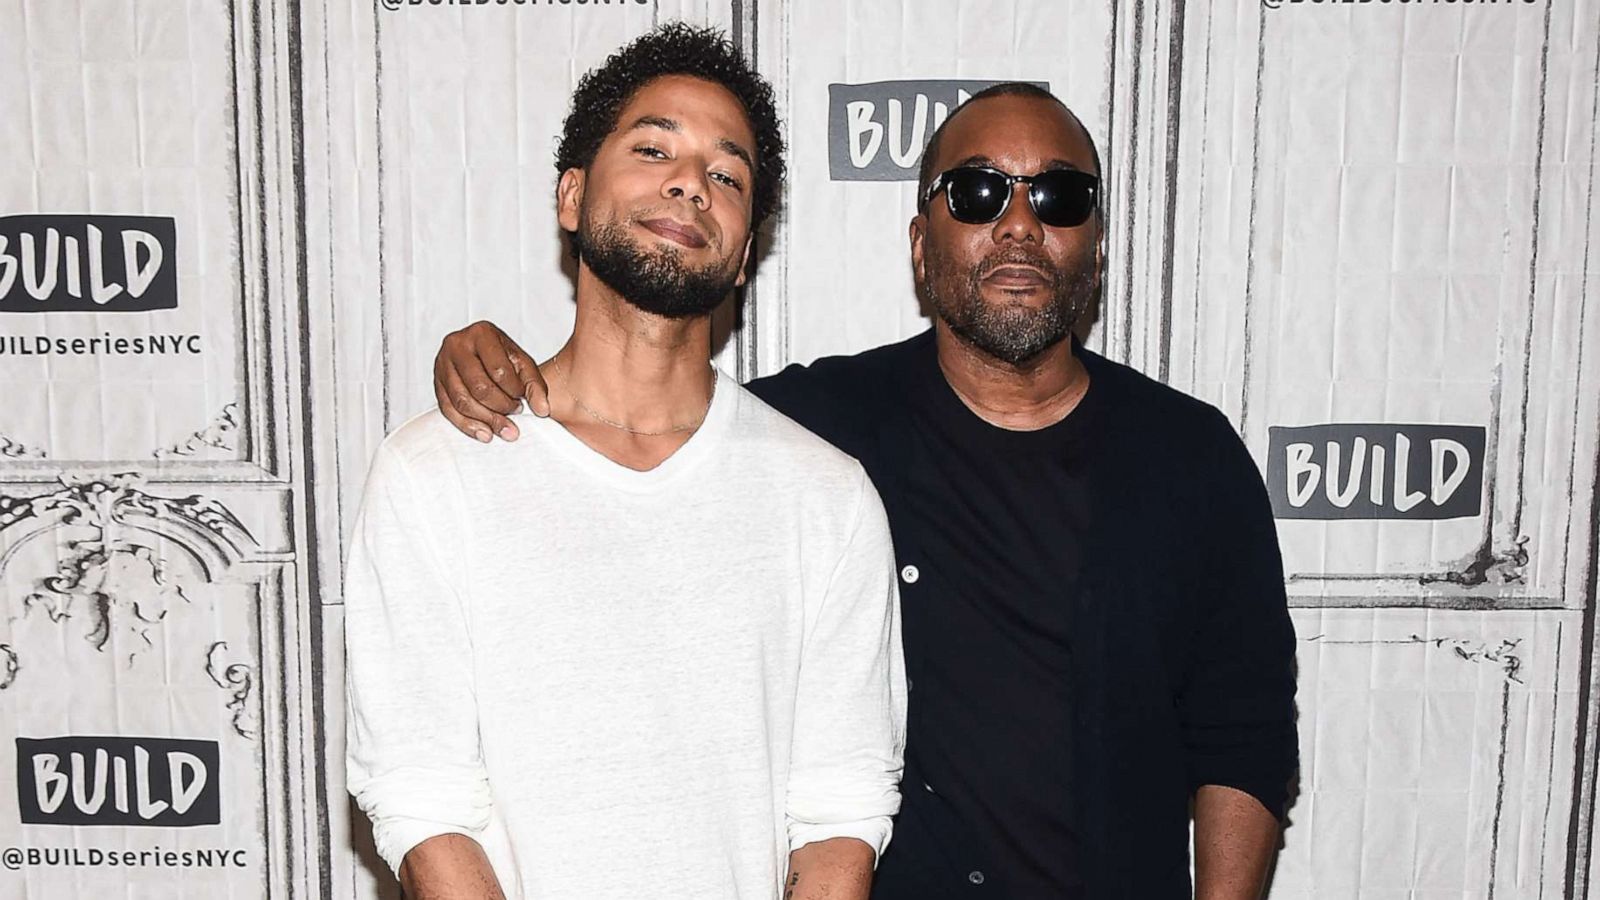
(1145, 409)
(778, 442)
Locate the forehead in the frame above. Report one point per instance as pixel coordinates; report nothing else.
(696, 104)
(1019, 134)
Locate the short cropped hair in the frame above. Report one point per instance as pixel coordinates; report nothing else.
(675, 49)
(925, 173)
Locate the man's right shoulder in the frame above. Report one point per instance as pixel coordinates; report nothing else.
(839, 398)
(427, 441)
(828, 374)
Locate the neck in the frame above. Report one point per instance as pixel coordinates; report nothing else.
(1023, 397)
(646, 371)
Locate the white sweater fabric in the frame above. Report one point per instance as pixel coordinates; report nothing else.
(624, 684)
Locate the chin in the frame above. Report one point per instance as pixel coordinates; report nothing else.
(1017, 305)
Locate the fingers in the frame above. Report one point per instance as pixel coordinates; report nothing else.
(476, 358)
(532, 386)
(479, 359)
(509, 366)
(463, 410)
(447, 407)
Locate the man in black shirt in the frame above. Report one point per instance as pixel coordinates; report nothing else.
(1095, 625)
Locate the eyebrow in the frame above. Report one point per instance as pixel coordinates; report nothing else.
(726, 145)
(1062, 164)
(661, 122)
(975, 160)
(979, 159)
(729, 147)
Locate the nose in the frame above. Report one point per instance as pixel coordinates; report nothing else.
(1019, 224)
(688, 181)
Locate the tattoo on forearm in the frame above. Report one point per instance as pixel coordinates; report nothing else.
(788, 891)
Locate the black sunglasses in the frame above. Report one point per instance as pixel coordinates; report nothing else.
(976, 195)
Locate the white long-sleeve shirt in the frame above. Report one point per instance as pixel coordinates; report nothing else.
(621, 683)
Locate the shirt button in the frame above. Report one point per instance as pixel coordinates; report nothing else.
(910, 574)
(975, 877)
(927, 787)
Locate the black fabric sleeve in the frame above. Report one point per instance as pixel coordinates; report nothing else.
(791, 391)
(1237, 704)
(821, 398)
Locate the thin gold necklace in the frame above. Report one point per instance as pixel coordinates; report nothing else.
(676, 429)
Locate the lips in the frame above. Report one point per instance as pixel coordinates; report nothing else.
(1014, 276)
(678, 233)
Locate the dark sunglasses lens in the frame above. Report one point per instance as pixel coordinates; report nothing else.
(975, 196)
(1063, 198)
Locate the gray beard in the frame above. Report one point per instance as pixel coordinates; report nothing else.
(1011, 333)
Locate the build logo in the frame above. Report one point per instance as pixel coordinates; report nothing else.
(1376, 471)
(876, 131)
(159, 782)
(82, 263)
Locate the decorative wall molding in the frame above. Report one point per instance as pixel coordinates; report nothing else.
(111, 521)
(221, 434)
(10, 667)
(239, 680)
(1487, 566)
(81, 588)
(1504, 654)
(116, 506)
(14, 449)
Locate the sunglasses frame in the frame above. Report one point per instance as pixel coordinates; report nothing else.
(942, 183)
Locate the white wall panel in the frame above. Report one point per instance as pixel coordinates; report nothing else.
(838, 276)
(153, 544)
(1374, 217)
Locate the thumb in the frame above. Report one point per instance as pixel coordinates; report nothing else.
(535, 391)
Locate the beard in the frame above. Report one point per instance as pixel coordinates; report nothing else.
(1011, 332)
(655, 280)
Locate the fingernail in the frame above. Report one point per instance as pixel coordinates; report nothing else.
(509, 432)
(482, 435)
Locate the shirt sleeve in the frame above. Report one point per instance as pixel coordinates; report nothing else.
(850, 712)
(1237, 705)
(413, 762)
(833, 398)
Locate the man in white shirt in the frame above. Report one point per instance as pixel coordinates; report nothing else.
(678, 674)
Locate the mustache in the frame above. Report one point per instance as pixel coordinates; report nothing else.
(690, 216)
(1014, 255)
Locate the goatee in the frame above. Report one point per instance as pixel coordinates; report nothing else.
(654, 280)
(1011, 332)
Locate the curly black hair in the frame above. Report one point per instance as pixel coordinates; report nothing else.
(675, 48)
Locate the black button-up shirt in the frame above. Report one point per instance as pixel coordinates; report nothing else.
(1094, 624)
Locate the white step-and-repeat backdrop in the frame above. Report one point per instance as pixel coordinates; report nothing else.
(232, 233)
